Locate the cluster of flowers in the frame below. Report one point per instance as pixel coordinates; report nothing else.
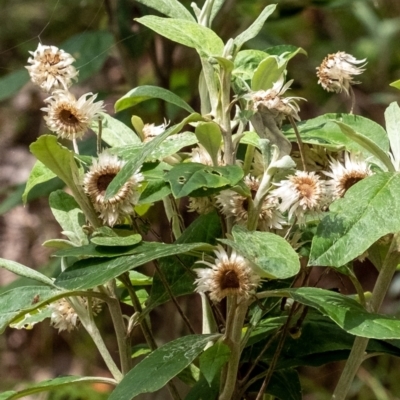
(289, 201)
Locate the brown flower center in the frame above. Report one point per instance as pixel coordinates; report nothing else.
(351, 180)
(68, 117)
(306, 190)
(103, 182)
(230, 280)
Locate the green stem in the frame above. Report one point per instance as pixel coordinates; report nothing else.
(299, 142)
(120, 330)
(88, 323)
(357, 353)
(248, 159)
(233, 340)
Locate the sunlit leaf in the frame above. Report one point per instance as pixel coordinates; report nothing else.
(213, 359)
(143, 93)
(188, 33)
(351, 226)
(201, 180)
(269, 253)
(171, 8)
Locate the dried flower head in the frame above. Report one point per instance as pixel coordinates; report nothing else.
(96, 182)
(232, 204)
(228, 275)
(344, 176)
(150, 131)
(272, 100)
(64, 317)
(51, 68)
(201, 205)
(200, 155)
(301, 193)
(336, 72)
(70, 118)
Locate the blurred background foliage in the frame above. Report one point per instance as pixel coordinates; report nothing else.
(115, 54)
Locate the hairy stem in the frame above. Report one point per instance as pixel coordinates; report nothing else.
(357, 353)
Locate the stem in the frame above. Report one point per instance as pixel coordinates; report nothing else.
(233, 337)
(353, 99)
(276, 354)
(299, 142)
(357, 353)
(248, 159)
(224, 117)
(75, 144)
(120, 330)
(99, 136)
(173, 216)
(91, 328)
(173, 298)
(146, 329)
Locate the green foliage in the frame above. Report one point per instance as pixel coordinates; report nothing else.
(168, 361)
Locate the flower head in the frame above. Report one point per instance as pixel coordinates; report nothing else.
(202, 156)
(301, 193)
(232, 204)
(336, 72)
(228, 275)
(64, 317)
(201, 205)
(272, 100)
(150, 131)
(51, 68)
(96, 182)
(70, 118)
(344, 176)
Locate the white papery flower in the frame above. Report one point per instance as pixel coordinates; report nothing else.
(64, 317)
(51, 68)
(68, 117)
(150, 131)
(232, 204)
(228, 275)
(303, 192)
(336, 72)
(96, 182)
(272, 100)
(344, 176)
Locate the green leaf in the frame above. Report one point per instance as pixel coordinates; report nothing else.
(27, 272)
(201, 180)
(216, 6)
(246, 62)
(188, 33)
(254, 29)
(368, 145)
(168, 147)
(117, 240)
(177, 271)
(143, 93)
(272, 255)
(12, 83)
(396, 84)
(30, 319)
(70, 217)
(167, 360)
(351, 227)
(53, 384)
(115, 133)
(17, 302)
(266, 74)
(324, 130)
(58, 159)
(136, 162)
(285, 51)
(171, 8)
(346, 312)
(39, 174)
(154, 191)
(86, 274)
(210, 137)
(392, 118)
(213, 359)
(90, 49)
